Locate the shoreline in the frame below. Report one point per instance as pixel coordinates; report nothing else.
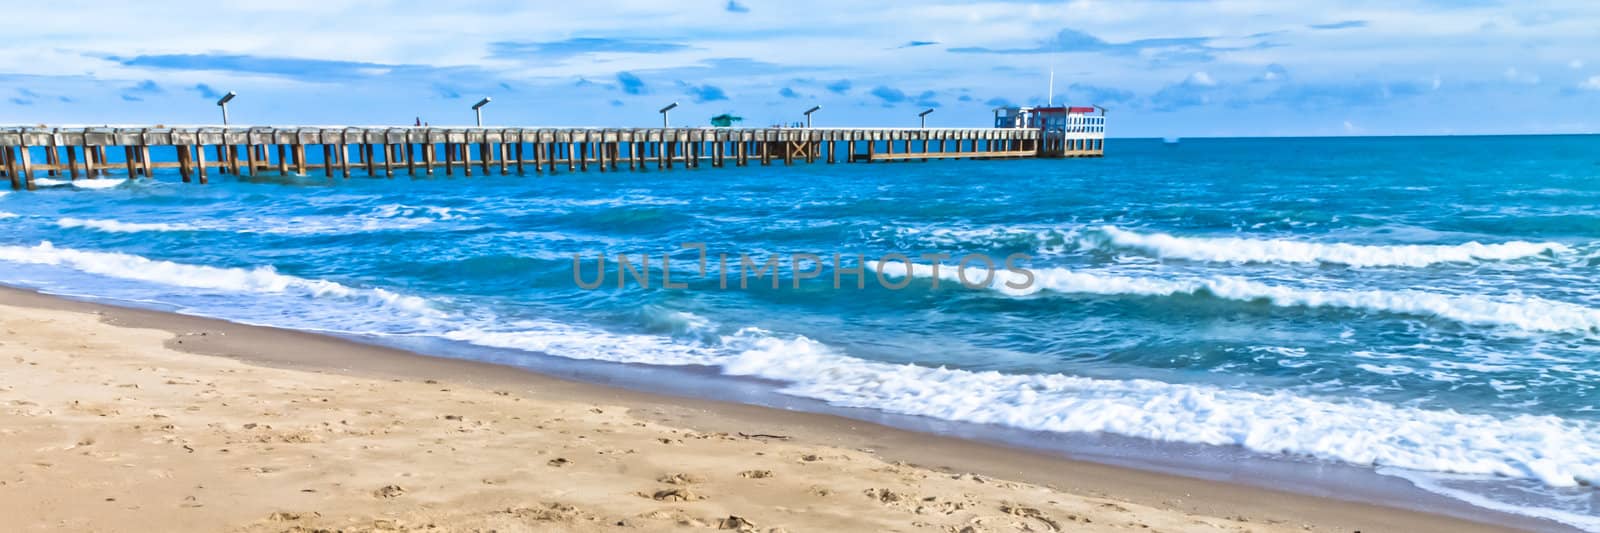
(1244, 503)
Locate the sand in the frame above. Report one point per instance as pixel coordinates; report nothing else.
(107, 427)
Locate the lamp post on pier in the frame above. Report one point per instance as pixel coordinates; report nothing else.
(478, 108)
(664, 111)
(223, 103)
(808, 113)
(924, 116)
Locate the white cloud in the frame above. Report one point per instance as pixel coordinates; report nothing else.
(1575, 64)
(1591, 84)
(1516, 76)
(1202, 79)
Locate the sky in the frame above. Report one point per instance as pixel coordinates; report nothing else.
(1162, 68)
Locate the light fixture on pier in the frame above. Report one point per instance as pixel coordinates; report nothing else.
(924, 116)
(223, 103)
(664, 111)
(478, 108)
(808, 113)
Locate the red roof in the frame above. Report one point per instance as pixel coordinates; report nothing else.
(1080, 110)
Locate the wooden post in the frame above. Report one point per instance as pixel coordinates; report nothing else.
(411, 157)
(661, 149)
(484, 153)
(344, 154)
(283, 162)
(250, 156)
(924, 147)
(327, 159)
(89, 170)
(183, 161)
(366, 156)
(130, 160)
(466, 158)
(25, 157)
(449, 158)
(72, 161)
(9, 156)
(200, 161)
(299, 156)
(388, 156)
(571, 154)
(427, 157)
(505, 154)
(518, 153)
(50, 156)
(144, 155)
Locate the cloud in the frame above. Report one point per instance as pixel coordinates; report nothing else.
(916, 44)
(997, 102)
(787, 92)
(736, 7)
(580, 46)
(313, 69)
(1339, 25)
(838, 87)
(1275, 72)
(1071, 40)
(1591, 84)
(206, 91)
(21, 101)
(446, 92)
(137, 92)
(630, 83)
(888, 95)
(1100, 95)
(616, 103)
(1200, 79)
(926, 99)
(1575, 64)
(704, 93)
(1516, 76)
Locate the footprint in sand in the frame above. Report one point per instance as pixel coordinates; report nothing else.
(676, 495)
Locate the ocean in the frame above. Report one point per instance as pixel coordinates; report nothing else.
(1424, 307)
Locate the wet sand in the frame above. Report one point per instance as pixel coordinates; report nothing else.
(117, 419)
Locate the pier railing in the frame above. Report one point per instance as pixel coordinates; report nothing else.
(103, 152)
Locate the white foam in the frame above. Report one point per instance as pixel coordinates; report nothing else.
(1548, 449)
(239, 280)
(388, 217)
(97, 184)
(572, 342)
(1437, 484)
(1526, 313)
(114, 226)
(1241, 250)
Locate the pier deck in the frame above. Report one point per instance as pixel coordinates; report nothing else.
(106, 152)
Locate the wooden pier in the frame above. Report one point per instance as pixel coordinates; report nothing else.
(197, 152)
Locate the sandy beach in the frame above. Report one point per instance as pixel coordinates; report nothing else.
(127, 420)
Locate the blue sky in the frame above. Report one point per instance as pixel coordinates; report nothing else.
(1163, 67)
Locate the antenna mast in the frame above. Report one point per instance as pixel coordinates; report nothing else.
(1051, 99)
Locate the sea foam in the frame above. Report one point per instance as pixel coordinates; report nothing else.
(253, 280)
(1245, 250)
(1519, 312)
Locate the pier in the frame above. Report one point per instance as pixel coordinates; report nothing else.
(73, 153)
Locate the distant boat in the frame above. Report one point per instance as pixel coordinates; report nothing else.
(1169, 140)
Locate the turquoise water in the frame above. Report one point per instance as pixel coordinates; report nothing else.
(1424, 306)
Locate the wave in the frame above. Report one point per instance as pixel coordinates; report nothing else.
(1547, 449)
(81, 184)
(392, 217)
(254, 280)
(1243, 250)
(1554, 451)
(115, 226)
(1525, 313)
